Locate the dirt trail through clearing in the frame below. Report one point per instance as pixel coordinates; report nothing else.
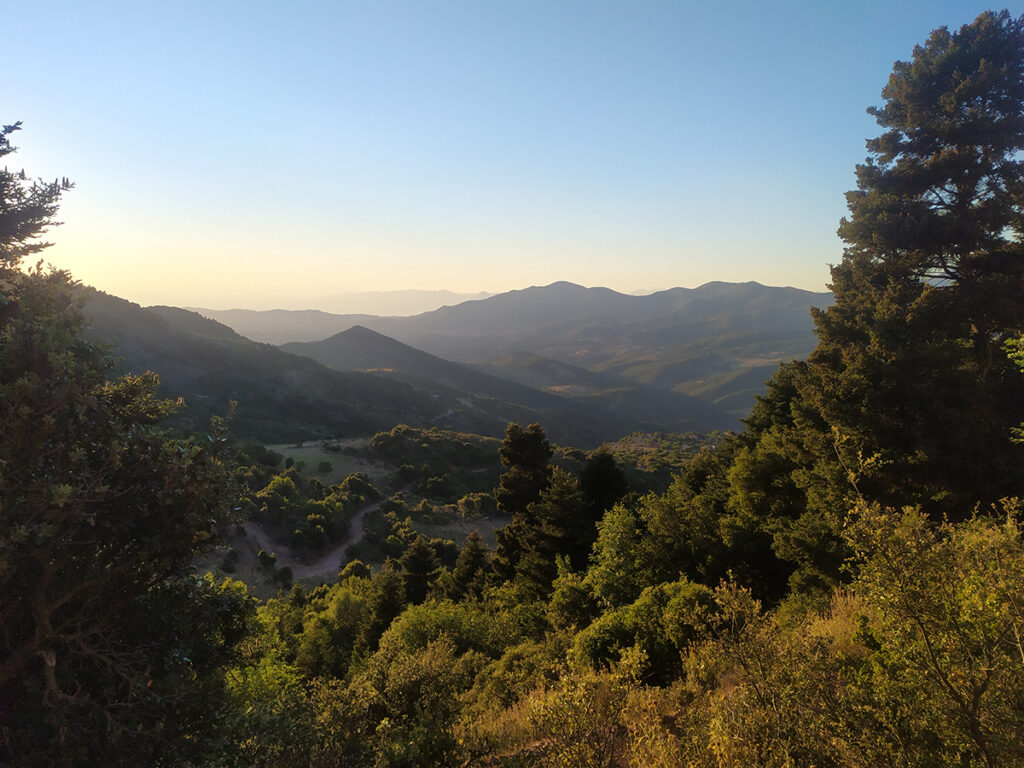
(329, 563)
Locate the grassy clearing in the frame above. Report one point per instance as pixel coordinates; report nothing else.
(310, 455)
(258, 580)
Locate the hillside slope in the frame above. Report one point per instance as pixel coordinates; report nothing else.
(609, 409)
(283, 397)
(279, 396)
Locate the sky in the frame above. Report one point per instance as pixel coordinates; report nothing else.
(268, 154)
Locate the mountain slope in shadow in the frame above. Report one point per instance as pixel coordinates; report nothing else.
(610, 402)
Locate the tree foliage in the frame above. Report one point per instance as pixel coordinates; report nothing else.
(27, 208)
(109, 647)
(910, 367)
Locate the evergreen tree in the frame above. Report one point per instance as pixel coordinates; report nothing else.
(909, 388)
(420, 567)
(909, 397)
(469, 568)
(525, 454)
(111, 650)
(603, 483)
(1015, 348)
(385, 601)
(26, 210)
(561, 524)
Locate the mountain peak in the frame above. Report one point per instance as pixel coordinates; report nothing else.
(560, 285)
(359, 330)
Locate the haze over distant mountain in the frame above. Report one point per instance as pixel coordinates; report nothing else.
(399, 303)
(565, 308)
(718, 342)
(402, 303)
(360, 349)
(279, 396)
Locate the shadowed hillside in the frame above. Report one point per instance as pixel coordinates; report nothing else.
(278, 395)
(282, 396)
(609, 407)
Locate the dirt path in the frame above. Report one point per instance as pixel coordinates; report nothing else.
(329, 563)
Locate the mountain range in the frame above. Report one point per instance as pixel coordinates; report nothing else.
(589, 364)
(717, 343)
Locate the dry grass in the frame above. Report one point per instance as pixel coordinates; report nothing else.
(839, 624)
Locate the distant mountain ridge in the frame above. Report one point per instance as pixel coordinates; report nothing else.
(395, 303)
(411, 301)
(361, 349)
(282, 396)
(717, 342)
(539, 308)
(279, 396)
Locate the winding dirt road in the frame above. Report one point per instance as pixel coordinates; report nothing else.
(328, 564)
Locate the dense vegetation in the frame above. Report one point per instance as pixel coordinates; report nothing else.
(840, 585)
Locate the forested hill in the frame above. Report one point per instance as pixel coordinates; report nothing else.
(615, 403)
(279, 396)
(359, 348)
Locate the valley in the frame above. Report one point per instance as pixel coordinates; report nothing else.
(555, 527)
(589, 364)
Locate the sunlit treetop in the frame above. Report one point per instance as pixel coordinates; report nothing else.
(940, 196)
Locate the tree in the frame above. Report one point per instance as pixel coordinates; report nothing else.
(109, 645)
(1015, 347)
(420, 568)
(603, 482)
(467, 577)
(909, 397)
(945, 634)
(525, 454)
(909, 366)
(560, 526)
(385, 600)
(26, 209)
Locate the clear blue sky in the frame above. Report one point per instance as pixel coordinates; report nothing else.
(264, 154)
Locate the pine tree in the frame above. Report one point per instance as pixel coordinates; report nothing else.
(26, 209)
(467, 578)
(525, 454)
(909, 397)
(603, 482)
(420, 567)
(909, 367)
(111, 650)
